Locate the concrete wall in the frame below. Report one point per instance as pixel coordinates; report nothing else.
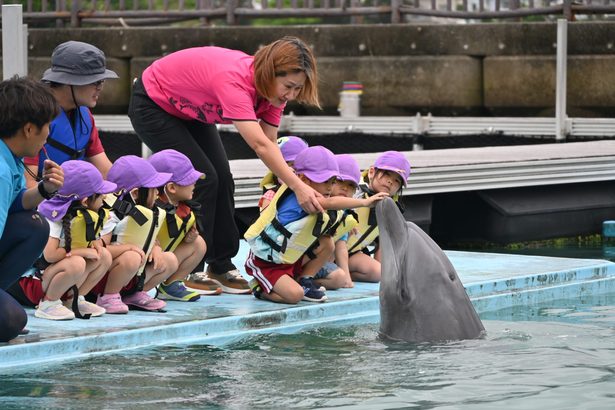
(484, 69)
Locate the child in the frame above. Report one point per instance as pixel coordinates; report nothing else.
(74, 257)
(335, 275)
(388, 174)
(178, 233)
(290, 147)
(284, 233)
(139, 264)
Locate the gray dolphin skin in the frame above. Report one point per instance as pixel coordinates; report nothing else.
(421, 296)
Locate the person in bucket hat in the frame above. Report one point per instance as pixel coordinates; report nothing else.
(76, 78)
(139, 263)
(71, 257)
(183, 239)
(316, 167)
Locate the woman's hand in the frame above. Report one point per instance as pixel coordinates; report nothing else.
(308, 198)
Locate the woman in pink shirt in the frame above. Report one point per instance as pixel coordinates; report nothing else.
(181, 97)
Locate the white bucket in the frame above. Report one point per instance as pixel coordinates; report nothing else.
(350, 104)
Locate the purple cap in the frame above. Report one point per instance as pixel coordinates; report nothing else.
(317, 163)
(349, 169)
(130, 172)
(394, 161)
(177, 164)
(291, 147)
(81, 179)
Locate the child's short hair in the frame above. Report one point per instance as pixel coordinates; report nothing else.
(22, 101)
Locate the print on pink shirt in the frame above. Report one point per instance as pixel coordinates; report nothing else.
(184, 105)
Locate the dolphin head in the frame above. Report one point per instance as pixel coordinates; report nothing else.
(395, 240)
(421, 297)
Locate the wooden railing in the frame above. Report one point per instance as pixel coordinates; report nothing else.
(232, 12)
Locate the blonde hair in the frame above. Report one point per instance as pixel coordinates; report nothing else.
(285, 56)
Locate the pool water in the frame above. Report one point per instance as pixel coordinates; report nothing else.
(556, 355)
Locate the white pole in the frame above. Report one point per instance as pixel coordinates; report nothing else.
(25, 48)
(13, 42)
(560, 80)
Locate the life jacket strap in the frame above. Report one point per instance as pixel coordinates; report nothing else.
(75, 305)
(73, 153)
(123, 207)
(148, 240)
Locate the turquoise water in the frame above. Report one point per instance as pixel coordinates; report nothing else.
(557, 355)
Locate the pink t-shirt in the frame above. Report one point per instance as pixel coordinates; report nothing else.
(209, 84)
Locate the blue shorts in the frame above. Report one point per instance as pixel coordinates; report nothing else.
(326, 270)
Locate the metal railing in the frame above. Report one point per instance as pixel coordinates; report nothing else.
(232, 12)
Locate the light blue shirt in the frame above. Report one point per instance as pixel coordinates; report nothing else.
(12, 183)
(290, 210)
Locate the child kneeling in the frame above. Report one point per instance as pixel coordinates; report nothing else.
(284, 233)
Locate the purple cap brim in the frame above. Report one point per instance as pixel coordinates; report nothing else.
(191, 178)
(106, 188)
(158, 180)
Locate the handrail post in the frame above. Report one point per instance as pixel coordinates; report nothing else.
(560, 80)
(567, 10)
(14, 44)
(395, 14)
(74, 14)
(231, 18)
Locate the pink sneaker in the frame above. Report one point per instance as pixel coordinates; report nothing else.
(112, 302)
(143, 301)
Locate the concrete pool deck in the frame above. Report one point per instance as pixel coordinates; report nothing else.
(493, 281)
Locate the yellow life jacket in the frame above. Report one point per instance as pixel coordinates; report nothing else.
(284, 244)
(367, 228)
(138, 224)
(174, 228)
(269, 181)
(85, 226)
(347, 221)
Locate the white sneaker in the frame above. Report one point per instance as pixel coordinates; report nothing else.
(86, 307)
(53, 310)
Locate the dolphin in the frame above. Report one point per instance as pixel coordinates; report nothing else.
(421, 296)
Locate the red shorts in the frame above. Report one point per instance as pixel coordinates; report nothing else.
(32, 290)
(267, 273)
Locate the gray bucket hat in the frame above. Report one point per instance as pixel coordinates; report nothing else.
(77, 63)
